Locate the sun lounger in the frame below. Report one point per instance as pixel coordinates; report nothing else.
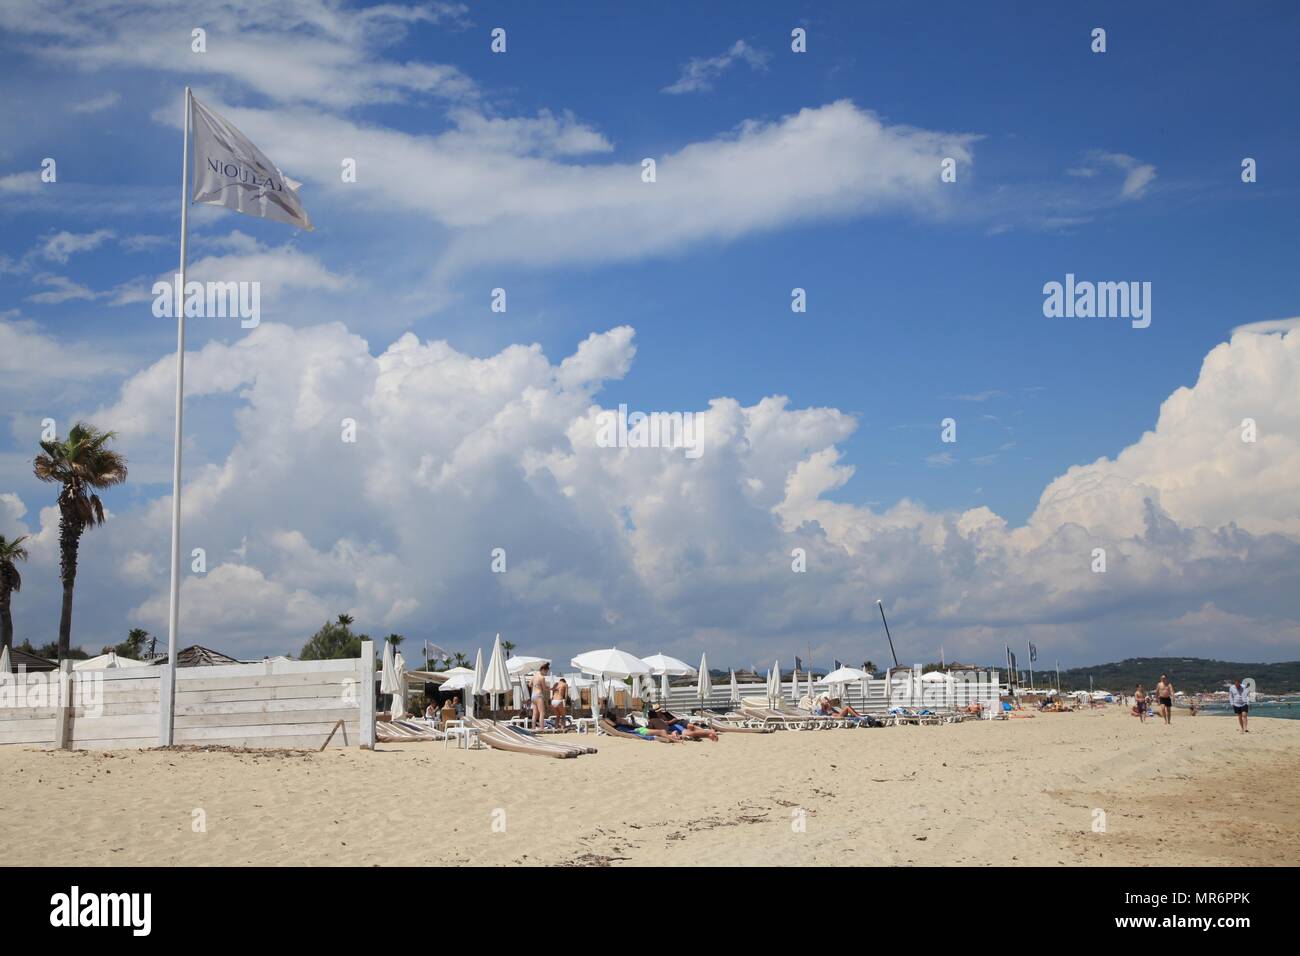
(531, 736)
(757, 709)
(405, 731)
(501, 736)
(730, 723)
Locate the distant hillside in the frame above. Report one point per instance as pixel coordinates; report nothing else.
(1190, 674)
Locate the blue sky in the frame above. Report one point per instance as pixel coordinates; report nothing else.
(924, 303)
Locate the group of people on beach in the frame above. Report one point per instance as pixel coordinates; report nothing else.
(541, 690)
(1238, 697)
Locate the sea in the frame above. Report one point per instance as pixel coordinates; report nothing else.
(1288, 708)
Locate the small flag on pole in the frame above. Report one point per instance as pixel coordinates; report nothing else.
(1033, 653)
(230, 171)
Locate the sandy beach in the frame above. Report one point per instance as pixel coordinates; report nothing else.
(1003, 793)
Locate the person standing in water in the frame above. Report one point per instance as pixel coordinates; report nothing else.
(1239, 698)
(1165, 698)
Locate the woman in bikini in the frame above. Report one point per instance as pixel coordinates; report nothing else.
(538, 702)
(560, 702)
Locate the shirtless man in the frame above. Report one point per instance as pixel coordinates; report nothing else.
(539, 689)
(1140, 703)
(1165, 698)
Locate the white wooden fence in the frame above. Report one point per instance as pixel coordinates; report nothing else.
(291, 704)
(901, 688)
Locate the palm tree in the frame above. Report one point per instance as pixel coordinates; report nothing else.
(345, 620)
(395, 640)
(508, 647)
(81, 465)
(10, 582)
(134, 643)
(461, 659)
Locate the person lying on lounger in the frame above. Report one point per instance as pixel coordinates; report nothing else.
(824, 707)
(661, 719)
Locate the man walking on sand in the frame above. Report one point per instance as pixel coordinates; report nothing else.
(1240, 701)
(1165, 698)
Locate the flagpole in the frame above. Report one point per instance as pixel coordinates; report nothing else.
(167, 691)
(1030, 651)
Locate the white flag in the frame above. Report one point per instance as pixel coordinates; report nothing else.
(230, 171)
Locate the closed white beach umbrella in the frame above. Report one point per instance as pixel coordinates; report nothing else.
(706, 681)
(774, 684)
(497, 679)
(387, 676)
(399, 686)
(735, 688)
(6, 666)
(477, 687)
(663, 689)
(794, 684)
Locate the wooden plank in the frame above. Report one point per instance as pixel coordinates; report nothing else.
(114, 709)
(335, 678)
(32, 731)
(88, 728)
(265, 706)
(115, 674)
(316, 715)
(266, 669)
(295, 692)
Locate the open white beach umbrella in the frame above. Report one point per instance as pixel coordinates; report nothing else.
(399, 686)
(458, 681)
(497, 679)
(735, 688)
(609, 662)
(844, 675)
(6, 666)
(663, 664)
(665, 667)
(525, 665)
(706, 680)
(477, 687)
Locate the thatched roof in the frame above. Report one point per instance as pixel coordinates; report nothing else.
(199, 656)
(21, 659)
